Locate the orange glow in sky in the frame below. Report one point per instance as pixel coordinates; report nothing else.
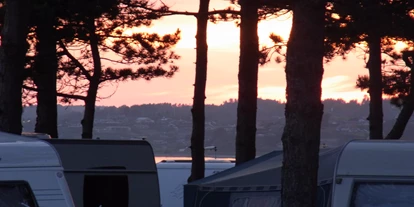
(223, 40)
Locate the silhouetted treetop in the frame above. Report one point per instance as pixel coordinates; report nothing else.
(396, 80)
(348, 23)
(143, 55)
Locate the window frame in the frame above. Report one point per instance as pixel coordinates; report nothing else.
(25, 184)
(381, 181)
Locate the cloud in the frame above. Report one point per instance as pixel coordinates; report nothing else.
(346, 95)
(334, 80)
(221, 90)
(338, 83)
(163, 93)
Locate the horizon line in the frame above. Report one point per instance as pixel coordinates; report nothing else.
(230, 100)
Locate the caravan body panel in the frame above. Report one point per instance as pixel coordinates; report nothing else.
(34, 164)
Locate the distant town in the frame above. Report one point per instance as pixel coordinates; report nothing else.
(168, 127)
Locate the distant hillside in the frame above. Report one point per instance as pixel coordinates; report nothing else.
(168, 126)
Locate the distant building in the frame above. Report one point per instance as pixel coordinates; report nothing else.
(141, 120)
(118, 128)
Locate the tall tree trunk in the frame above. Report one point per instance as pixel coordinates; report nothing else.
(45, 74)
(248, 75)
(198, 113)
(304, 108)
(375, 87)
(12, 58)
(406, 112)
(89, 114)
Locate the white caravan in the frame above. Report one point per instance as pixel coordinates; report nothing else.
(31, 174)
(374, 173)
(173, 175)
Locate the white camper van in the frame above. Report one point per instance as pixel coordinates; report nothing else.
(374, 173)
(31, 174)
(173, 175)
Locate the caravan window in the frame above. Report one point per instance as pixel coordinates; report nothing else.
(106, 190)
(370, 194)
(269, 201)
(110, 190)
(255, 199)
(16, 194)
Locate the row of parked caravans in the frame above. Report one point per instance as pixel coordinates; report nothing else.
(44, 172)
(81, 173)
(123, 173)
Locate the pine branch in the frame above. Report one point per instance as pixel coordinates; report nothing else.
(76, 61)
(164, 11)
(64, 95)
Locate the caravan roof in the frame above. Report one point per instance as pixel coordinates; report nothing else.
(94, 154)
(18, 151)
(376, 158)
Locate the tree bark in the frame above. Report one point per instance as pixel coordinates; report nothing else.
(406, 112)
(304, 108)
(375, 87)
(198, 112)
(45, 74)
(90, 101)
(12, 58)
(248, 75)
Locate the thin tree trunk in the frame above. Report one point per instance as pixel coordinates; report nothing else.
(304, 108)
(406, 112)
(12, 58)
(198, 112)
(89, 114)
(375, 87)
(404, 116)
(248, 75)
(45, 74)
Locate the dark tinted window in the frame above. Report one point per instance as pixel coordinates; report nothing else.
(255, 198)
(369, 194)
(16, 194)
(106, 191)
(268, 201)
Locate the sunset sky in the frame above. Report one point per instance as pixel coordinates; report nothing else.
(223, 40)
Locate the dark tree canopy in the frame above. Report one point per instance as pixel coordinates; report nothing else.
(396, 79)
(348, 22)
(143, 55)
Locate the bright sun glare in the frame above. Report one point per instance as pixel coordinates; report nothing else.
(221, 36)
(224, 36)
